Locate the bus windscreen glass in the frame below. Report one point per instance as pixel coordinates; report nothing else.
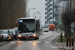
(26, 25)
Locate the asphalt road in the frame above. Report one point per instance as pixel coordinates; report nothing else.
(45, 42)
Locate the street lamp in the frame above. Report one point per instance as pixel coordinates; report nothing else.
(29, 11)
(70, 16)
(39, 14)
(35, 14)
(71, 41)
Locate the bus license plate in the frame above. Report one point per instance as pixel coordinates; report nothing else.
(26, 36)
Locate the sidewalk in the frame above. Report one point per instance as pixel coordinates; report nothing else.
(62, 45)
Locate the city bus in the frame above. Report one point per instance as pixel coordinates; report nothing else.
(28, 28)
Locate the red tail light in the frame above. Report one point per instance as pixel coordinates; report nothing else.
(16, 23)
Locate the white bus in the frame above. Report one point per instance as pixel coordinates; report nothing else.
(28, 28)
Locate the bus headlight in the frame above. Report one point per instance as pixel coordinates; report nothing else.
(19, 35)
(34, 35)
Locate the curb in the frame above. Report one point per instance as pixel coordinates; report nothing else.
(2, 43)
(62, 47)
(55, 43)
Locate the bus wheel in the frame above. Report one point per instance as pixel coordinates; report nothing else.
(36, 38)
(20, 39)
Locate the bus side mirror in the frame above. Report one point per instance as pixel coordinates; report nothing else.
(16, 23)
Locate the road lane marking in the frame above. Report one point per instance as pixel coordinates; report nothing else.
(47, 42)
(12, 42)
(18, 42)
(32, 42)
(38, 41)
(29, 41)
(54, 47)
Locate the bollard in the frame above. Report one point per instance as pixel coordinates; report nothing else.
(61, 37)
(69, 41)
(65, 35)
(72, 43)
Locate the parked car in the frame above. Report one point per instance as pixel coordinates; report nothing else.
(14, 32)
(5, 35)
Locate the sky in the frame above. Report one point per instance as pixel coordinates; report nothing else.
(39, 6)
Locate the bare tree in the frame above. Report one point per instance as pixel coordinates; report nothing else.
(66, 17)
(10, 11)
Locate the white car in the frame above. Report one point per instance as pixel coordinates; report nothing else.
(5, 35)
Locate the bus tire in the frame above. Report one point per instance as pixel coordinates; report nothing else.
(20, 39)
(36, 38)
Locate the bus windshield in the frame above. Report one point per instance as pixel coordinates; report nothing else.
(26, 26)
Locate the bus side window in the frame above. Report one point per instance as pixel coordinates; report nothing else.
(37, 25)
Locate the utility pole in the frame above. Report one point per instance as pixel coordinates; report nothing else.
(71, 42)
(53, 11)
(70, 23)
(29, 11)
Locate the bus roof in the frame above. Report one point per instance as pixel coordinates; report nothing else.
(51, 24)
(26, 18)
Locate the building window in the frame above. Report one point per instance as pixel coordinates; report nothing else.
(45, 0)
(46, 4)
(49, 0)
(45, 12)
(45, 8)
(45, 17)
(45, 22)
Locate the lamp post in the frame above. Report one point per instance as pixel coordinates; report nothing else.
(39, 14)
(71, 40)
(29, 11)
(35, 14)
(70, 22)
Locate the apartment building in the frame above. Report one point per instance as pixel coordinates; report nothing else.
(48, 10)
(53, 10)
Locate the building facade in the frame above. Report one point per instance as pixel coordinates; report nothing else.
(53, 10)
(48, 10)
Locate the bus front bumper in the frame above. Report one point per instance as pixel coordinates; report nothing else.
(33, 36)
